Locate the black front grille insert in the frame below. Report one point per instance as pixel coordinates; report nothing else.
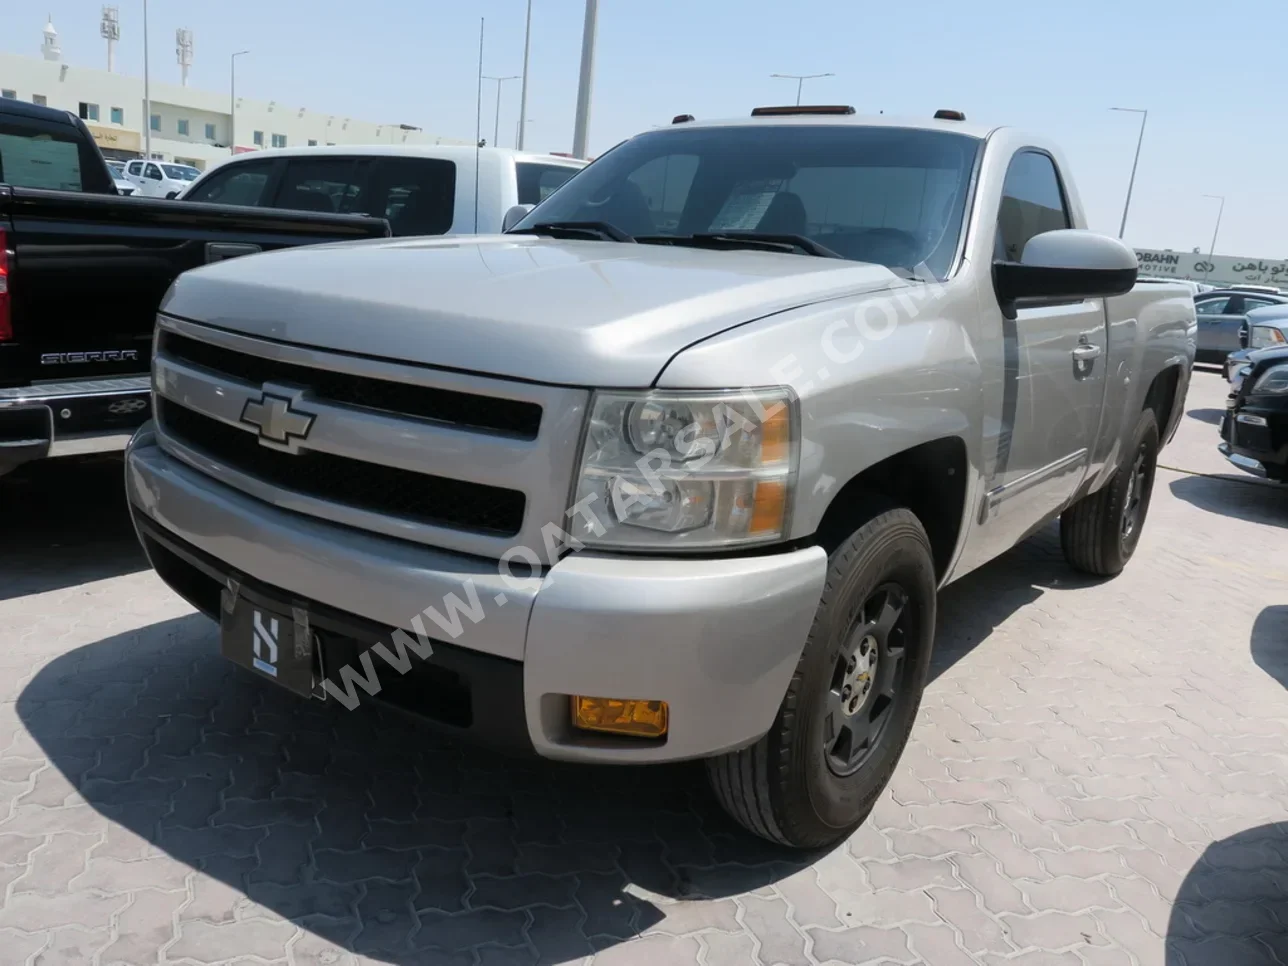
(506, 416)
(386, 490)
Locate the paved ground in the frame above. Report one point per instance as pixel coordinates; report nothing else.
(1099, 777)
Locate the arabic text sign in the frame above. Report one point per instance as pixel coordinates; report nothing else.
(1219, 268)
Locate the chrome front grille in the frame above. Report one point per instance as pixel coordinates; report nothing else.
(419, 497)
(510, 417)
(463, 462)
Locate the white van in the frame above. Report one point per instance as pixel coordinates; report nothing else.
(427, 190)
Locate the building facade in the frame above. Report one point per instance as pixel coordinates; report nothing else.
(186, 125)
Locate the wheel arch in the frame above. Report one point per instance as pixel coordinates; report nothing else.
(1165, 396)
(930, 479)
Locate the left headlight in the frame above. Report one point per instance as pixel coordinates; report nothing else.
(1274, 380)
(688, 470)
(1264, 336)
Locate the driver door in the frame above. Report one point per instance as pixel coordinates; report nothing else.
(1052, 371)
(152, 180)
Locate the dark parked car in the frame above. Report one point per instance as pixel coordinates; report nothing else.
(1254, 431)
(82, 271)
(1222, 314)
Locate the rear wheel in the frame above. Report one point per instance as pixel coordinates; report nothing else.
(851, 703)
(1100, 532)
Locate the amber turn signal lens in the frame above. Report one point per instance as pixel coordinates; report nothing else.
(770, 507)
(620, 716)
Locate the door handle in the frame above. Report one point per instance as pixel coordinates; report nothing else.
(221, 251)
(1085, 352)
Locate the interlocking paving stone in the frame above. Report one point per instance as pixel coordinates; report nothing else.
(1073, 793)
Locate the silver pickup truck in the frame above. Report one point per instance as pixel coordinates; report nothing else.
(675, 468)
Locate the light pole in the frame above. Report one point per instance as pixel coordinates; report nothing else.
(232, 100)
(520, 129)
(1144, 116)
(147, 89)
(800, 80)
(496, 132)
(1215, 231)
(581, 121)
(523, 88)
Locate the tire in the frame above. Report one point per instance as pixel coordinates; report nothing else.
(1099, 533)
(792, 786)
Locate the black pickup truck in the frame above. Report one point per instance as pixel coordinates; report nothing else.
(82, 271)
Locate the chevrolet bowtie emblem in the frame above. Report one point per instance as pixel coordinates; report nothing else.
(280, 424)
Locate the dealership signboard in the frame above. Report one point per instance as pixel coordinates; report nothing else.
(1216, 269)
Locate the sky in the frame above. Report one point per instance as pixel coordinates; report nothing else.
(1052, 66)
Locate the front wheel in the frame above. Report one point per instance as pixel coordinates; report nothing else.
(1099, 533)
(851, 703)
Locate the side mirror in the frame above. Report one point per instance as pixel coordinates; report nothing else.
(514, 216)
(1067, 264)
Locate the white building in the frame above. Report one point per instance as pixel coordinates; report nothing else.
(187, 125)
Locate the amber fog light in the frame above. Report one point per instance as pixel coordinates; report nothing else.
(620, 716)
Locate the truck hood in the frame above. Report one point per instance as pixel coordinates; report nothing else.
(568, 312)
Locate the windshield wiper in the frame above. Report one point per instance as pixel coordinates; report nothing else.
(599, 230)
(764, 241)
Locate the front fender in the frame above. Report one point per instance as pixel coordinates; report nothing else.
(875, 375)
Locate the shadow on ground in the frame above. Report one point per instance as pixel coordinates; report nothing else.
(970, 608)
(65, 523)
(1242, 498)
(1270, 646)
(367, 829)
(1212, 416)
(1232, 907)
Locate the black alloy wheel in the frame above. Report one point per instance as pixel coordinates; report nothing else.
(866, 681)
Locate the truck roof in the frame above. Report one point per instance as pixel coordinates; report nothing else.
(856, 120)
(446, 152)
(10, 105)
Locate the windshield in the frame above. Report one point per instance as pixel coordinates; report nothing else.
(180, 172)
(892, 196)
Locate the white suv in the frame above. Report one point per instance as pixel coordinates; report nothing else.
(421, 190)
(159, 179)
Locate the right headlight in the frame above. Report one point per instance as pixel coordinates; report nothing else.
(1273, 380)
(687, 470)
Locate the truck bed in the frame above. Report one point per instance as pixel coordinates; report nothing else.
(85, 274)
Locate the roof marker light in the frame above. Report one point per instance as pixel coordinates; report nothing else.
(802, 109)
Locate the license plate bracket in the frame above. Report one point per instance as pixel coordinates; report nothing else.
(273, 641)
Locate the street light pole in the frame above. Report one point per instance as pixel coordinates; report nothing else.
(523, 88)
(1215, 231)
(581, 123)
(232, 101)
(147, 89)
(800, 80)
(1144, 116)
(496, 131)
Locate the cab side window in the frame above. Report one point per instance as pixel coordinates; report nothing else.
(1215, 306)
(238, 184)
(1033, 202)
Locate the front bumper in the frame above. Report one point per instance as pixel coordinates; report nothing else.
(70, 419)
(717, 639)
(1256, 441)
